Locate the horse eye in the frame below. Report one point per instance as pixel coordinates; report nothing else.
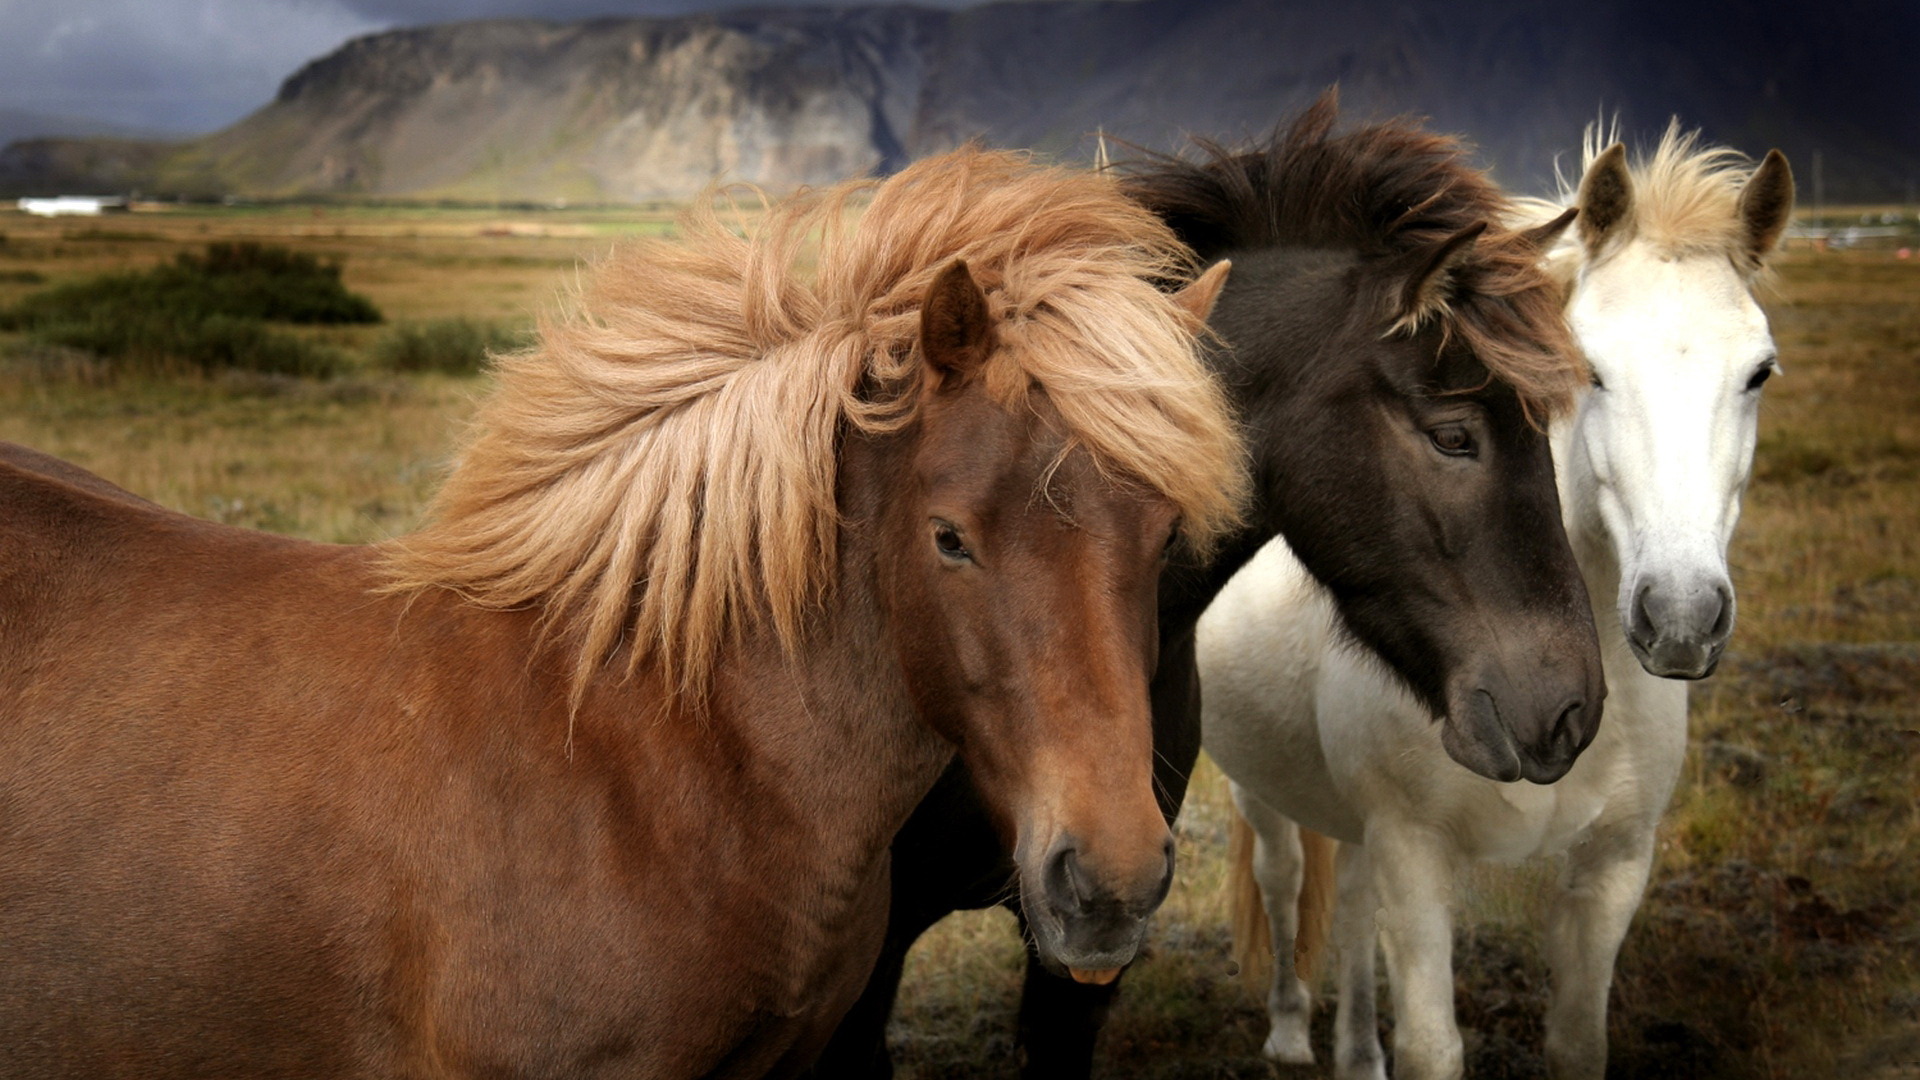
(1173, 541)
(1760, 377)
(946, 539)
(1453, 440)
(1594, 378)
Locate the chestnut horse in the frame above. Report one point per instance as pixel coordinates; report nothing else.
(595, 774)
(1393, 353)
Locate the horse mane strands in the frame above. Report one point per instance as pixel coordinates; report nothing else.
(658, 472)
(1382, 190)
(1685, 200)
(1685, 195)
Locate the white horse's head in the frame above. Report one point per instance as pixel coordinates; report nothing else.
(1653, 462)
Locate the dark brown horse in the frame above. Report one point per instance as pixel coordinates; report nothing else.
(1393, 353)
(596, 773)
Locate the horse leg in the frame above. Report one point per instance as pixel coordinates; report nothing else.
(1599, 891)
(1059, 1021)
(1413, 873)
(1357, 1053)
(1278, 866)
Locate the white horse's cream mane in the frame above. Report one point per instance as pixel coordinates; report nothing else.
(1686, 199)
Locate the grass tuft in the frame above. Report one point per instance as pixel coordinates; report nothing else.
(456, 346)
(207, 312)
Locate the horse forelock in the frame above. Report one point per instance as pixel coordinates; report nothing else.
(1686, 194)
(659, 470)
(1381, 190)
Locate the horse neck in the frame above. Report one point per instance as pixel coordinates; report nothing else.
(799, 768)
(834, 716)
(1256, 388)
(1186, 590)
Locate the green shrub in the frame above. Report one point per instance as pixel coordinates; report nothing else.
(203, 311)
(214, 343)
(456, 346)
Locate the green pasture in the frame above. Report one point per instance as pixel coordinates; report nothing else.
(1779, 937)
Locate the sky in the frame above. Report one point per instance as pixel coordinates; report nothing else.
(190, 66)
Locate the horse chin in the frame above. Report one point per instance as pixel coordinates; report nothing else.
(1689, 664)
(1087, 951)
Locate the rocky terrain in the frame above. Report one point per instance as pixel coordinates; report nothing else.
(636, 109)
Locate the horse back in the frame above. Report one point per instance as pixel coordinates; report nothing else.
(28, 460)
(88, 569)
(135, 793)
(251, 807)
(260, 817)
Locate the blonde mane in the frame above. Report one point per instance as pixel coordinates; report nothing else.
(1685, 199)
(660, 467)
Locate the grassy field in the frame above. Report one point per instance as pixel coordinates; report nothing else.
(1779, 936)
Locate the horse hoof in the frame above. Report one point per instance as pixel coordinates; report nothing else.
(1288, 1046)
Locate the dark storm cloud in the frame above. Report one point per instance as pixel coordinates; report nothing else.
(195, 65)
(410, 12)
(165, 65)
(403, 12)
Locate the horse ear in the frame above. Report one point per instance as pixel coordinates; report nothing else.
(1542, 237)
(1199, 296)
(1424, 287)
(1606, 196)
(1766, 202)
(956, 329)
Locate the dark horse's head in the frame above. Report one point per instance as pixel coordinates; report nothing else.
(1395, 353)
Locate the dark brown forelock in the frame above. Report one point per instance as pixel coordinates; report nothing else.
(1380, 190)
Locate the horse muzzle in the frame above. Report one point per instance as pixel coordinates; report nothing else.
(1505, 733)
(1677, 630)
(1087, 919)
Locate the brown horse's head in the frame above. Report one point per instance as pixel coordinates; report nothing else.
(975, 422)
(1023, 577)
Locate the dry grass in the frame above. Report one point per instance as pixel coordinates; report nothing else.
(346, 461)
(1779, 936)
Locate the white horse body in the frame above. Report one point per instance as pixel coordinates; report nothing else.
(1651, 464)
(1338, 745)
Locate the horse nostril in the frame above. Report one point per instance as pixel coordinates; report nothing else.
(1062, 882)
(1642, 629)
(1166, 876)
(1569, 730)
(1723, 618)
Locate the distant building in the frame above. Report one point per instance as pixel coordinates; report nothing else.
(73, 205)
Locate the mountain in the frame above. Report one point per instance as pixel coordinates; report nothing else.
(634, 109)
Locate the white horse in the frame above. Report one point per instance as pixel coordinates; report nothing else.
(1651, 465)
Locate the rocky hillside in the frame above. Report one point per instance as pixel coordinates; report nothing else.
(648, 108)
